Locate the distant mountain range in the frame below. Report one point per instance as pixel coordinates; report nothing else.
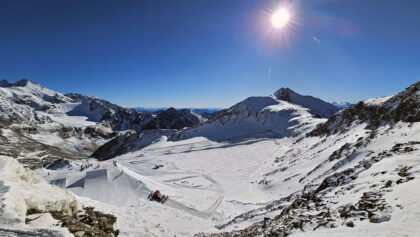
(341, 105)
(76, 124)
(197, 110)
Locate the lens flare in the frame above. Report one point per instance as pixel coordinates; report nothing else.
(280, 18)
(277, 24)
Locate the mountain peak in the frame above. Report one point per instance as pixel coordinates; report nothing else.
(285, 90)
(171, 110)
(21, 83)
(4, 83)
(284, 93)
(317, 106)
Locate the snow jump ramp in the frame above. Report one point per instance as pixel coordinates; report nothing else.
(62, 183)
(113, 186)
(96, 185)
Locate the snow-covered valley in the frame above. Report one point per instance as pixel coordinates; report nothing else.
(276, 165)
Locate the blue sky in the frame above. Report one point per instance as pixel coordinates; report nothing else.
(211, 53)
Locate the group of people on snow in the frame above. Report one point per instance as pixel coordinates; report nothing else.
(83, 167)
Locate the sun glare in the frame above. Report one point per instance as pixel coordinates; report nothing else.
(280, 18)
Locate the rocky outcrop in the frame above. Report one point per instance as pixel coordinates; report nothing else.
(404, 107)
(129, 142)
(88, 223)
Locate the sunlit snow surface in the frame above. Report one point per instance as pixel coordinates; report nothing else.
(256, 153)
(211, 182)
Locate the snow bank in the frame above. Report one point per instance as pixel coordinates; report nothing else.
(23, 192)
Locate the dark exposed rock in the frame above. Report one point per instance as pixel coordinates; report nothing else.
(116, 146)
(128, 142)
(335, 180)
(338, 153)
(88, 223)
(388, 184)
(173, 119)
(403, 172)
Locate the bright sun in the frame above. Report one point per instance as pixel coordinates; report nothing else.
(280, 18)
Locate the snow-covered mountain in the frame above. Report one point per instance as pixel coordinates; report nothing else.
(268, 116)
(278, 165)
(174, 119)
(341, 105)
(285, 113)
(107, 114)
(202, 114)
(377, 112)
(346, 176)
(317, 106)
(40, 125)
(36, 128)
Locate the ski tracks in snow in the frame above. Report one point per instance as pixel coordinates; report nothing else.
(208, 213)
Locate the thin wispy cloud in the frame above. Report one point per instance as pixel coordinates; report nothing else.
(316, 40)
(269, 71)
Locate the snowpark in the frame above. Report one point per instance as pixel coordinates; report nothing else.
(196, 191)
